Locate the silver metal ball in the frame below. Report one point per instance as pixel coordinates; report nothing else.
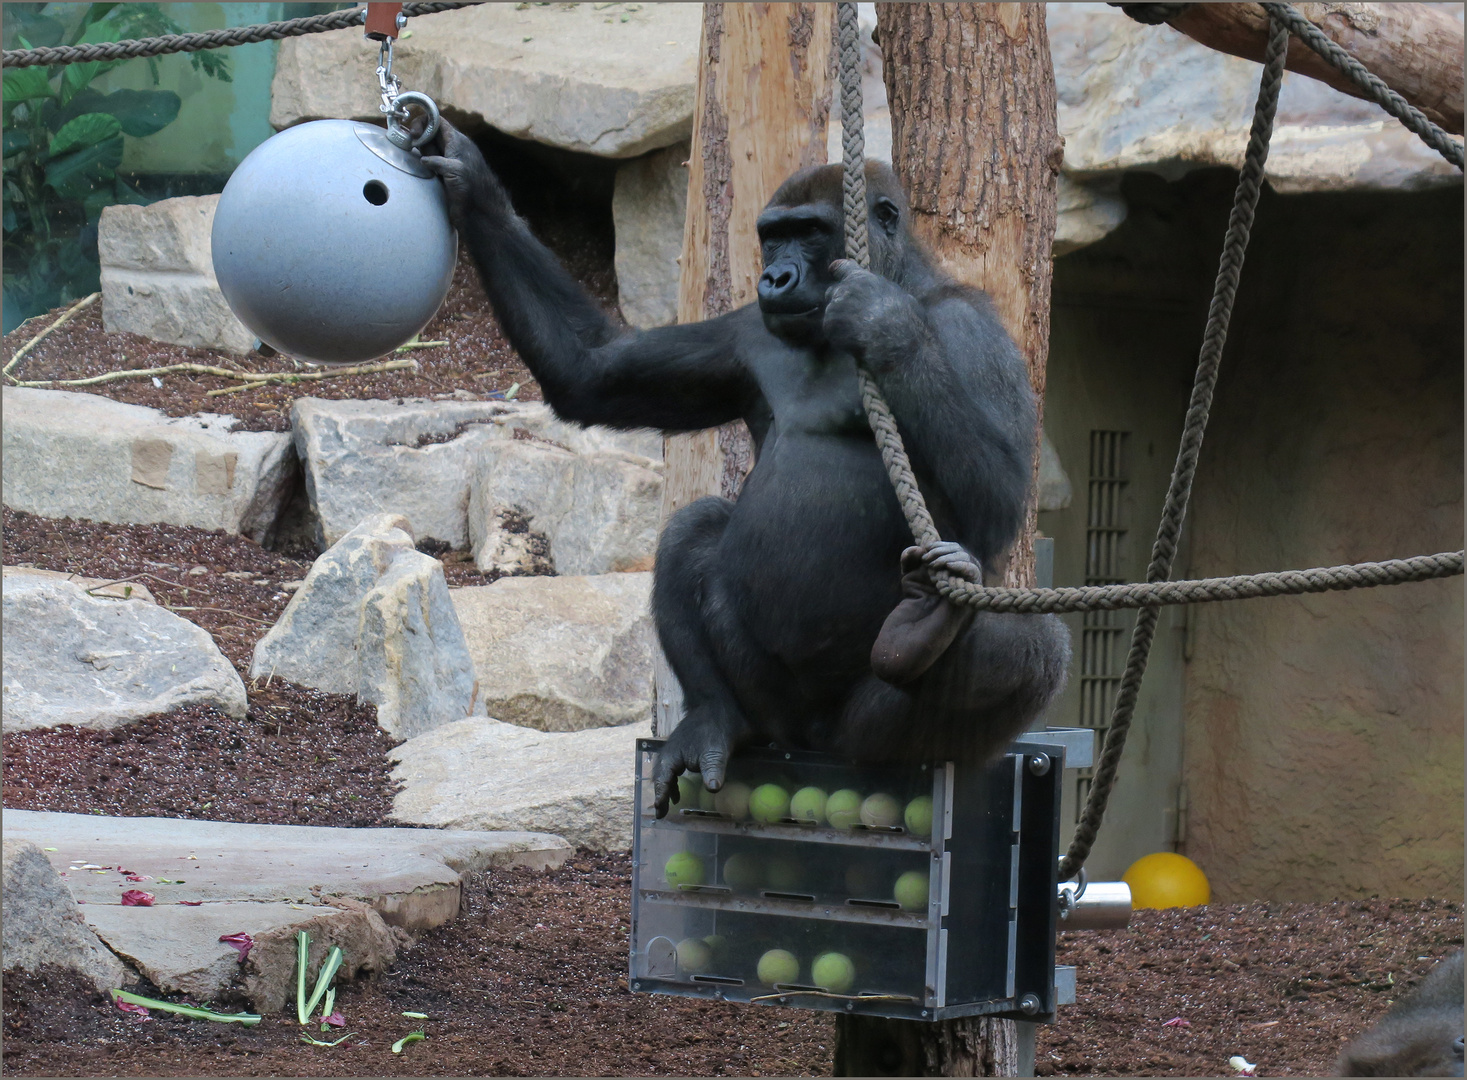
(332, 244)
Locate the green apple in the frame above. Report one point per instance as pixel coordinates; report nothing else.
(843, 808)
(881, 811)
(784, 874)
(833, 972)
(769, 803)
(911, 891)
(732, 800)
(778, 966)
(684, 868)
(743, 872)
(694, 955)
(918, 816)
(808, 806)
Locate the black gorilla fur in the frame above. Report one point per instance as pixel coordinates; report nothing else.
(769, 608)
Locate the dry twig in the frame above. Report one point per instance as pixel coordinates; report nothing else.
(84, 302)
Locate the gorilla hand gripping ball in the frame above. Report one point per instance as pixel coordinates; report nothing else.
(332, 244)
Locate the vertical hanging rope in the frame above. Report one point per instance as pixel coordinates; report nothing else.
(853, 135)
(1240, 224)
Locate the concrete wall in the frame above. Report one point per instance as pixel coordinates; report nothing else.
(1324, 734)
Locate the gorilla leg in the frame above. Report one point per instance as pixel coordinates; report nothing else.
(998, 677)
(705, 645)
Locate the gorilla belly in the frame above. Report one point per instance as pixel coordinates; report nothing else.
(812, 548)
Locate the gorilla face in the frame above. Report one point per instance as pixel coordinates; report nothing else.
(798, 244)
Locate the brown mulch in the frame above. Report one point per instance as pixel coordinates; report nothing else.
(531, 980)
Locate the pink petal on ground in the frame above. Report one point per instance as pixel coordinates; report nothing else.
(241, 941)
(1177, 1021)
(137, 898)
(191, 903)
(128, 1007)
(336, 1020)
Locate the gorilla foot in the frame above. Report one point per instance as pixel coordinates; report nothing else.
(702, 743)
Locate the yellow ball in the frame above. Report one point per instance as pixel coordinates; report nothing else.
(1166, 880)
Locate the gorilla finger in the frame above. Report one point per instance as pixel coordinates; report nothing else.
(711, 765)
(844, 268)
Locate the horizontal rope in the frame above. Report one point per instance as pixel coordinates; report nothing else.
(1204, 590)
(212, 39)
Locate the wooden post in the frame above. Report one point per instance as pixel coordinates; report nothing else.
(975, 143)
(762, 109)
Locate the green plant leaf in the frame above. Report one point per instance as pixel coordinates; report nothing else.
(142, 112)
(302, 951)
(16, 141)
(247, 1019)
(76, 78)
(89, 129)
(25, 84)
(76, 174)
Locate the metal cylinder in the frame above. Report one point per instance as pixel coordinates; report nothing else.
(332, 244)
(1104, 905)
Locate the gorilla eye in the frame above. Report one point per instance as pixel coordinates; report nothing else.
(887, 213)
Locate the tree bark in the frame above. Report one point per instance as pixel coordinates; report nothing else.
(975, 142)
(762, 109)
(1415, 49)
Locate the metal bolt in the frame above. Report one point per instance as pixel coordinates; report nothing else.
(850, 1005)
(1029, 1004)
(1039, 764)
(924, 1014)
(636, 986)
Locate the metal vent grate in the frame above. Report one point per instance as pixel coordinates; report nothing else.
(1102, 636)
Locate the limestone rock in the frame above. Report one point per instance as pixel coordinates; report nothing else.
(179, 950)
(579, 784)
(70, 658)
(649, 206)
(615, 83)
(597, 512)
(374, 618)
(43, 926)
(417, 457)
(85, 456)
(120, 590)
(158, 275)
(562, 653)
(1055, 491)
(1134, 96)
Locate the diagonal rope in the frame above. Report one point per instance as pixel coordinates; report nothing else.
(212, 39)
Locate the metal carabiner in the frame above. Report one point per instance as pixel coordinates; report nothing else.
(396, 129)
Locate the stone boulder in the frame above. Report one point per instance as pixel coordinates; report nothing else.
(158, 275)
(85, 456)
(611, 80)
(1147, 97)
(562, 653)
(417, 457)
(597, 513)
(483, 774)
(72, 658)
(649, 206)
(374, 619)
(43, 926)
(112, 590)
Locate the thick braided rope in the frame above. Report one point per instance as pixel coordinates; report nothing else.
(212, 39)
(1369, 84)
(853, 135)
(1245, 201)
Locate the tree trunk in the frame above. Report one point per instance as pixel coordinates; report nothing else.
(1415, 49)
(762, 109)
(975, 142)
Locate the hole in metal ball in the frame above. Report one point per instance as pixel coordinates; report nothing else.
(375, 192)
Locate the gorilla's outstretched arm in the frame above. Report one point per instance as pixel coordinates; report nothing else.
(678, 378)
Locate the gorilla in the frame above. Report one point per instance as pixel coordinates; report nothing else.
(802, 614)
(1420, 1036)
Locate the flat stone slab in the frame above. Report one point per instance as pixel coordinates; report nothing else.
(410, 876)
(579, 783)
(179, 950)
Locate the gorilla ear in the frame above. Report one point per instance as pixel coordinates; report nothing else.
(888, 214)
